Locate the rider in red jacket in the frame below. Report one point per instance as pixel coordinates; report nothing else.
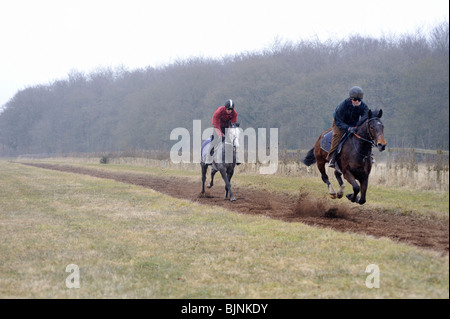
(223, 116)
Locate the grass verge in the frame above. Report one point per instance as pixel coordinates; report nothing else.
(132, 242)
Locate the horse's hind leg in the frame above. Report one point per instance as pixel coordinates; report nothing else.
(204, 170)
(340, 191)
(321, 167)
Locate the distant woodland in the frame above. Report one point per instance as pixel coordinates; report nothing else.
(293, 86)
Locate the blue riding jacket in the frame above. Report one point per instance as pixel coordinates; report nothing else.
(346, 115)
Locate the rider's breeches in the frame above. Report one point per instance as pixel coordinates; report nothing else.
(337, 136)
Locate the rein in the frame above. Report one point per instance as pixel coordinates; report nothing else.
(365, 140)
(372, 140)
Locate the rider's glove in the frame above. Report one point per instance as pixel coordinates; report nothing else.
(351, 129)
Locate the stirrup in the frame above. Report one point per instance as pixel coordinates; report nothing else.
(332, 163)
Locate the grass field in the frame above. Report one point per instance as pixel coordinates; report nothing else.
(132, 242)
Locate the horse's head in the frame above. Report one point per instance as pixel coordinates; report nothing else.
(234, 134)
(375, 129)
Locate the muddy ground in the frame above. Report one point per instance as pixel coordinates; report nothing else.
(423, 232)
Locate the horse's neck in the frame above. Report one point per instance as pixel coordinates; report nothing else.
(230, 138)
(224, 150)
(231, 134)
(225, 146)
(363, 130)
(364, 144)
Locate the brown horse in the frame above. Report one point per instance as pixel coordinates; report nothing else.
(354, 160)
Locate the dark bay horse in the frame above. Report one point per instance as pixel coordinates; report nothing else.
(354, 160)
(223, 162)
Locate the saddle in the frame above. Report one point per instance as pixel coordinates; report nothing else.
(325, 144)
(205, 148)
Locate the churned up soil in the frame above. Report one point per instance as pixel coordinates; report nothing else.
(423, 232)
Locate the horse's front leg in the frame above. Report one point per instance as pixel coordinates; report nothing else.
(351, 179)
(340, 191)
(364, 184)
(213, 172)
(230, 173)
(227, 186)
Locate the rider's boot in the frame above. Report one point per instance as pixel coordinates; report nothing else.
(209, 160)
(332, 156)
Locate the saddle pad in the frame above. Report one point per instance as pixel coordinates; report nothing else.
(205, 148)
(325, 143)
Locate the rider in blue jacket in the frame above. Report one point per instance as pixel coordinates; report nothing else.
(346, 115)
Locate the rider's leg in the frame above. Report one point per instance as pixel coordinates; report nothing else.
(331, 157)
(337, 135)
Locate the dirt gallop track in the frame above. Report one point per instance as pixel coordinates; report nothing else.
(423, 232)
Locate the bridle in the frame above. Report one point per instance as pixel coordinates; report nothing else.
(371, 140)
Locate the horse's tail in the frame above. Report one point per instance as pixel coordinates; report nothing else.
(309, 159)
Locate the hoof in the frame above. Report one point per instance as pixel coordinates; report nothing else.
(340, 195)
(232, 199)
(350, 197)
(209, 186)
(331, 191)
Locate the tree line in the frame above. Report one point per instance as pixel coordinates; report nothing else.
(293, 86)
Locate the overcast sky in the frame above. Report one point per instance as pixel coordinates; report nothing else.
(43, 40)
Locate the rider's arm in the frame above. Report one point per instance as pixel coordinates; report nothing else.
(216, 122)
(234, 118)
(339, 117)
(364, 110)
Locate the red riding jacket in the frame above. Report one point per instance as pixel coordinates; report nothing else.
(221, 119)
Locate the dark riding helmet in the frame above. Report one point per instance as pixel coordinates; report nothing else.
(356, 93)
(229, 104)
